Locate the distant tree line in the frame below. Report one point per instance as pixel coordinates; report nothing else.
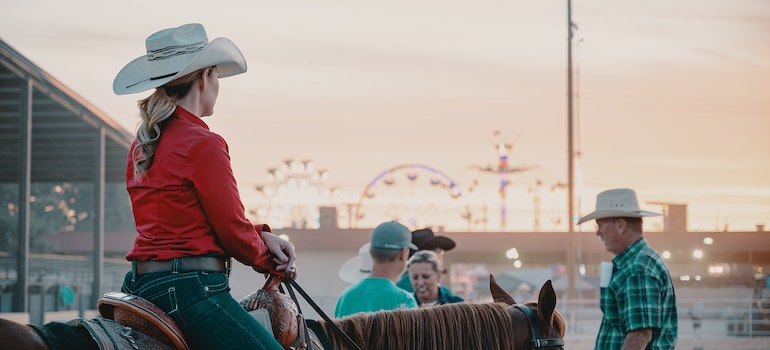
(59, 208)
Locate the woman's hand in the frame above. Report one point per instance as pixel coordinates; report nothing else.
(282, 251)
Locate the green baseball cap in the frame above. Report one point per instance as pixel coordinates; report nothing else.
(392, 235)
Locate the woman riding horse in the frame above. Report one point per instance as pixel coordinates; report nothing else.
(503, 324)
(185, 200)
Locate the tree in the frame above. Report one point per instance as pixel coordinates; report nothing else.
(60, 207)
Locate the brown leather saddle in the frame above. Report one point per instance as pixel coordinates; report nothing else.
(288, 324)
(134, 313)
(111, 335)
(143, 316)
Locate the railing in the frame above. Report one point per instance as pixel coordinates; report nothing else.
(47, 275)
(715, 323)
(729, 320)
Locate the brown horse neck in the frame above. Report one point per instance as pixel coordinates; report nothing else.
(19, 336)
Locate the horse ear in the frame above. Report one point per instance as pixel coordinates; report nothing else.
(499, 295)
(546, 302)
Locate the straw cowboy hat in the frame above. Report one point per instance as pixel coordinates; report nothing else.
(176, 52)
(359, 267)
(618, 203)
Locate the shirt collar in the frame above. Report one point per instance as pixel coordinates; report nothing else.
(188, 117)
(627, 254)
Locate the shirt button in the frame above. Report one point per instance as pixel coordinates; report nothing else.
(206, 288)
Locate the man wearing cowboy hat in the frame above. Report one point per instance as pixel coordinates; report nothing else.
(638, 302)
(425, 239)
(375, 289)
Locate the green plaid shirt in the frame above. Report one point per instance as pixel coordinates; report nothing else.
(640, 295)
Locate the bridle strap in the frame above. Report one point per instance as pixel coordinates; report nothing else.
(537, 341)
(547, 343)
(290, 282)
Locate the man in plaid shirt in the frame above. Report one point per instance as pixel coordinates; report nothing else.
(638, 300)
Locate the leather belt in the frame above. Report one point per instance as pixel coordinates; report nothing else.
(183, 264)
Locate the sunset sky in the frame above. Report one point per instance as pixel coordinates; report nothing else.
(672, 97)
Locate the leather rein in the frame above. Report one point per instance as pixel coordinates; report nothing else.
(538, 342)
(290, 282)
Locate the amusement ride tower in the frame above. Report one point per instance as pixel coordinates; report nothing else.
(503, 169)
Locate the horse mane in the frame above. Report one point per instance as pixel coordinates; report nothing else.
(458, 326)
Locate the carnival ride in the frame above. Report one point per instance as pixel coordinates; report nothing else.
(414, 194)
(294, 192)
(503, 169)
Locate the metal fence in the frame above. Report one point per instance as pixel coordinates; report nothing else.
(708, 318)
(52, 280)
(715, 323)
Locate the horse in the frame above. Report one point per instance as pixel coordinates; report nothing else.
(502, 324)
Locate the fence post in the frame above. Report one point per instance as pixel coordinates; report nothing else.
(751, 318)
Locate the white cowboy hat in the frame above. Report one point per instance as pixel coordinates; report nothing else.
(357, 268)
(618, 203)
(175, 52)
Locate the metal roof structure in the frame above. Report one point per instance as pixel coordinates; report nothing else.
(65, 130)
(50, 134)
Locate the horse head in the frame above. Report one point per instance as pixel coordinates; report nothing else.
(547, 326)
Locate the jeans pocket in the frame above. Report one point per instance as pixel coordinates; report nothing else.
(214, 282)
(164, 291)
(175, 293)
(128, 283)
(165, 298)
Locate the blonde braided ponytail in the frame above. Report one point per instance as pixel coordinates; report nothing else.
(154, 111)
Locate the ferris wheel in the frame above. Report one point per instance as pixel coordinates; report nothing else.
(412, 194)
(293, 194)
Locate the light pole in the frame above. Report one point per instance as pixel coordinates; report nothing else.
(571, 251)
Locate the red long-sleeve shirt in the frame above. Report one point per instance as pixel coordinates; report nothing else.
(187, 204)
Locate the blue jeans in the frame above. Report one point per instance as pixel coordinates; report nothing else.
(201, 305)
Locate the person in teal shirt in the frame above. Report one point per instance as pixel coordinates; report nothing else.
(637, 299)
(379, 265)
